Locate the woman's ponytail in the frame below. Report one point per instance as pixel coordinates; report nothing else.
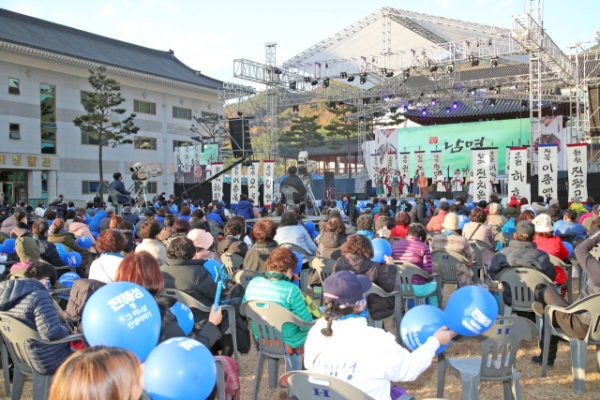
(328, 315)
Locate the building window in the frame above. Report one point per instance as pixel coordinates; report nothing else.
(14, 131)
(13, 86)
(210, 118)
(144, 107)
(86, 138)
(83, 95)
(152, 187)
(180, 143)
(144, 143)
(44, 185)
(91, 187)
(182, 113)
(48, 118)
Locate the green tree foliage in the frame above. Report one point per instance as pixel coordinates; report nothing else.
(303, 133)
(340, 129)
(102, 121)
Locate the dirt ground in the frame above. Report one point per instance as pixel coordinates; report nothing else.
(557, 385)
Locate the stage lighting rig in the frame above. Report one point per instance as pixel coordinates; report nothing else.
(366, 101)
(454, 105)
(363, 79)
(406, 74)
(332, 105)
(314, 82)
(404, 109)
(307, 79)
(361, 120)
(351, 78)
(343, 75)
(325, 82)
(494, 62)
(524, 104)
(475, 63)
(424, 112)
(410, 103)
(433, 102)
(433, 69)
(527, 87)
(393, 110)
(295, 109)
(554, 107)
(492, 102)
(450, 68)
(472, 92)
(292, 85)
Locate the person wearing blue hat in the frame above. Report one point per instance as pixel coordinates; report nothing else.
(331, 347)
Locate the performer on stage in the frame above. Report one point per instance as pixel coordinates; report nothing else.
(380, 183)
(405, 188)
(472, 185)
(396, 184)
(457, 181)
(415, 184)
(422, 185)
(440, 182)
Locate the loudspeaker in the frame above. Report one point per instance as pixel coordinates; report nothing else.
(329, 179)
(439, 195)
(239, 130)
(459, 194)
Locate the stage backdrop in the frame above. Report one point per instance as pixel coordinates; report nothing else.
(456, 141)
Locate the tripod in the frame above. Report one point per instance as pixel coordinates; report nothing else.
(307, 180)
(140, 192)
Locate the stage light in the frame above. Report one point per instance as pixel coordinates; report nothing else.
(455, 105)
(292, 85)
(494, 62)
(351, 78)
(410, 103)
(404, 109)
(450, 68)
(366, 101)
(376, 115)
(448, 109)
(314, 82)
(239, 113)
(527, 87)
(492, 102)
(393, 110)
(497, 89)
(332, 105)
(386, 98)
(325, 82)
(295, 109)
(343, 75)
(361, 120)
(524, 104)
(424, 112)
(433, 102)
(406, 74)
(363, 79)
(475, 63)
(556, 91)
(554, 107)
(307, 79)
(433, 69)
(473, 92)
(389, 74)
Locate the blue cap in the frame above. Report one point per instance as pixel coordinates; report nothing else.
(345, 288)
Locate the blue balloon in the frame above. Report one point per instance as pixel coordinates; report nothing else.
(299, 264)
(180, 368)
(211, 265)
(310, 226)
(73, 259)
(184, 316)
(462, 221)
(84, 242)
(67, 279)
(315, 234)
(62, 250)
(471, 311)
(123, 315)
(8, 246)
(381, 248)
(569, 247)
(419, 324)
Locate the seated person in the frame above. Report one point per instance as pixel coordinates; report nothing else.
(521, 253)
(414, 249)
(356, 257)
(365, 225)
(105, 222)
(48, 250)
(294, 181)
(570, 229)
(215, 217)
(203, 241)
(290, 232)
(165, 233)
(378, 360)
(546, 241)
(451, 240)
(110, 244)
(180, 228)
(495, 220)
(276, 287)
(149, 231)
(59, 234)
(231, 243)
(28, 251)
(20, 229)
(118, 185)
(80, 228)
(402, 223)
(29, 300)
(198, 221)
(477, 230)
(436, 222)
(264, 232)
(332, 239)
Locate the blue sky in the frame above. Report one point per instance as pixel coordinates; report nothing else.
(208, 35)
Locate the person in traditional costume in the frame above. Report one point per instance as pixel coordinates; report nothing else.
(415, 184)
(457, 181)
(405, 186)
(381, 183)
(472, 185)
(422, 185)
(396, 181)
(441, 187)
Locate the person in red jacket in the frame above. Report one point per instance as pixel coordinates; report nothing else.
(546, 241)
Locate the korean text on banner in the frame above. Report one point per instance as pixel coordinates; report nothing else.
(217, 183)
(436, 163)
(391, 166)
(420, 160)
(236, 184)
(493, 163)
(517, 179)
(268, 174)
(405, 165)
(577, 170)
(375, 167)
(253, 182)
(548, 170)
(480, 165)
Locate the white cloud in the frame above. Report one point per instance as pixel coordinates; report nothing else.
(24, 9)
(107, 9)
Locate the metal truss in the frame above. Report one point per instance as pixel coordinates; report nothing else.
(231, 91)
(361, 185)
(271, 117)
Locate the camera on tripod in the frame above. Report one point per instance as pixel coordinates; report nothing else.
(140, 172)
(305, 167)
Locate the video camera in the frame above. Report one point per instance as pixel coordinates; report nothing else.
(140, 172)
(305, 167)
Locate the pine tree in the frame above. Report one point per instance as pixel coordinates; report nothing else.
(102, 104)
(341, 129)
(302, 134)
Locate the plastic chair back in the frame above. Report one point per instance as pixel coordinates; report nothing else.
(503, 238)
(522, 283)
(446, 261)
(296, 248)
(114, 199)
(479, 246)
(406, 271)
(398, 314)
(576, 242)
(233, 262)
(590, 304)
(288, 194)
(310, 385)
(244, 276)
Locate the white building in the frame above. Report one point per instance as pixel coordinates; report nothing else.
(44, 69)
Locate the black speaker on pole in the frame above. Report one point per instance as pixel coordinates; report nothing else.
(459, 194)
(329, 180)
(239, 130)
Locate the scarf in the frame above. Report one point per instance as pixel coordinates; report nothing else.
(277, 276)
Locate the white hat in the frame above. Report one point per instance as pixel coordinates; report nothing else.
(451, 222)
(543, 223)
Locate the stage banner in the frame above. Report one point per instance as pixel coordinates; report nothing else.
(577, 170)
(391, 165)
(480, 165)
(548, 170)
(268, 173)
(493, 164)
(507, 164)
(375, 167)
(436, 163)
(517, 180)
(236, 184)
(217, 184)
(253, 182)
(420, 161)
(405, 165)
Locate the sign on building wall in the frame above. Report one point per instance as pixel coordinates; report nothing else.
(217, 183)
(548, 170)
(268, 174)
(577, 170)
(517, 178)
(480, 165)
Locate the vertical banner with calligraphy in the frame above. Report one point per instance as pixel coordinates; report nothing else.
(268, 174)
(375, 167)
(391, 165)
(405, 165)
(507, 161)
(517, 178)
(480, 165)
(236, 184)
(577, 170)
(187, 158)
(493, 163)
(420, 161)
(547, 170)
(253, 182)
(436, 163)
(217, 184)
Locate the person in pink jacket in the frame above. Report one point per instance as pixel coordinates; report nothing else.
(80, 229)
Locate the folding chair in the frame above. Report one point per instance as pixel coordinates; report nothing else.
(499, 355)
(244, 276)
(306, 256)
(16, 335)
(310, 385)
(268, 319)
(220, 379)
(233, 262)
(568, 268)
(503, 238)
(191, 302)
(578, 347)
(446, 263)
(288, 194)
(479, 246)
(406, 271)
(323, 267)
(114, 200)
(397, 316)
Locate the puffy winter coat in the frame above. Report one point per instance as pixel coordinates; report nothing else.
(67, 239)
(191, 277)
(7, 226)
(295, 234)
(330, 245)
(29, 301)
(553, 246)
(58, 209)
(79, 229)
(245, 209)
(419, 213)
(379, 307)
(154, 247)
(81, 291)
(232, 245)
(20, 230)
(95, 224)
(48, 252)
(256, 258)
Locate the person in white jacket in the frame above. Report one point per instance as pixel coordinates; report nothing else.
(343, 346)
(290, 232)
